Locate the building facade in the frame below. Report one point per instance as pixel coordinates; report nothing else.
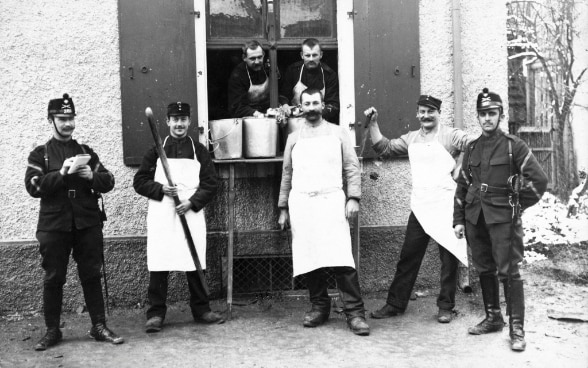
(49, 48)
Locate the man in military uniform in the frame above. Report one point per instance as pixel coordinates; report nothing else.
(167, 250)
(69, 220)
(485, 210)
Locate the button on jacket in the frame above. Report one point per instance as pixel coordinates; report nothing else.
(66, 201)
(483, 181)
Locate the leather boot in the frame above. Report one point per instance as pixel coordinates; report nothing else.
(517, 316)
(102, 333)
(52, 337)
(490, 294)
(506, 296)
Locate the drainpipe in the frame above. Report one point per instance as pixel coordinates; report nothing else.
(463, 280)
(457, 62)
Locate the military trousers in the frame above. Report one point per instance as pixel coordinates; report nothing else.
(157, 294)
(86, 247)
(347, 284)
(413, 251)
(490, 247)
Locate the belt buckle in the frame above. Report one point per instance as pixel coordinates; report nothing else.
(484, 187)
(71, 193)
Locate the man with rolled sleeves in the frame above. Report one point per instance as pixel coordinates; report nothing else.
(317, 159)
(69, 220)
(485, 211)
(167, 249)
(432, 151)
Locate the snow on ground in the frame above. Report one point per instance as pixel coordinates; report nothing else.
(546, 223)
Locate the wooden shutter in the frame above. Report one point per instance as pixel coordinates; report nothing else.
(157, 66)
(387, 59)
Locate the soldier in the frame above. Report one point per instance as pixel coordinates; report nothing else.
(69, 220)
(485, 209)
(167, 248)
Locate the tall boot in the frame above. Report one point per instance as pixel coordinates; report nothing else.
(490, 294)
(517, 316)
(506, 296)
(52, 300)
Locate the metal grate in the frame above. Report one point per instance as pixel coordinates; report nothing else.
(268, 273)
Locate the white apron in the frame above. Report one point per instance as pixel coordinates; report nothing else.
(167, 247)
(433, 190)
(320, 232)
(257, 93)
(300, 87)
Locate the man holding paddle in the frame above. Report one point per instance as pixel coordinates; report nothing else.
(176, 213)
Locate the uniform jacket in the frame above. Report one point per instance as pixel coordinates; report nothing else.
(178, 148)
(483, 182)
(66, 201)
(313, 79)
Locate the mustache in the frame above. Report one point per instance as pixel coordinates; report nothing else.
(311, 113)
(427, 119)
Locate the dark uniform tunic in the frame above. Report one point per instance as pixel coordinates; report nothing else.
(145, 185)
(482, 200)
(69, 219)
(313, 78)
(239, 84)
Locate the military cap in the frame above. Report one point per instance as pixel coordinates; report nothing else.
(488, 100)
(178, 109)
(429, 101)
(62, 106)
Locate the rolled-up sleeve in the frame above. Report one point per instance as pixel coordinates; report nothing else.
(286, 184)
(392, 147)
(351, 169)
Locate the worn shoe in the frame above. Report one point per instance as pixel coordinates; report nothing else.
(358, 326)
(386, 311)
(154, 324)
(52, 337)
(101, 333)
(444, 315)
(492, 323)
(517, 337)
(210, 317)
(315, 318)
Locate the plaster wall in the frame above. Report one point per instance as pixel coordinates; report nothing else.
(48, 48)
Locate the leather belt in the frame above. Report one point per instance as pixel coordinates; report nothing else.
(490, 189)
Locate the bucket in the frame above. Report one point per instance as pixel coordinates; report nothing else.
(292, 125)
(226, 136)
(260, 137)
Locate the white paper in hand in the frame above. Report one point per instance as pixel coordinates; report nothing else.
(79, 160)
